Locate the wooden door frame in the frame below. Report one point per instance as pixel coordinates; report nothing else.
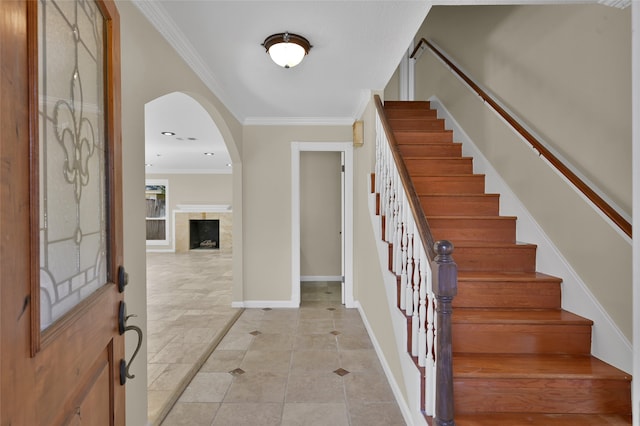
(347, 254)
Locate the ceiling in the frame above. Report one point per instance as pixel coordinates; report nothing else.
(357, 46)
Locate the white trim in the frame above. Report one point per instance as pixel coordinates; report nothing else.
(365, 98)
(298, 121)
(207, 208)
(395, 388)
(406, 74)
(320, 278)
(296, 149)
(162, 22)
(608, 342)
(635, 138)
(167, 224)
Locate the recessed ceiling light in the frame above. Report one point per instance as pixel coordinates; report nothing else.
(228, 164)
(169, 133)
(148, 165)
(208, 153)
(192, 139)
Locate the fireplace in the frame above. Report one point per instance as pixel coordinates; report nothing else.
(204, 234)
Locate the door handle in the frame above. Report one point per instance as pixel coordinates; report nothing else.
(123, 328)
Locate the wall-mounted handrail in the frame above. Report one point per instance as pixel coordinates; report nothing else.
(588, 192)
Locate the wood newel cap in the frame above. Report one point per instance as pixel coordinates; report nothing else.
(445, 270)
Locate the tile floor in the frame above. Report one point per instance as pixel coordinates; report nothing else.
(188, 313)
(309, 366)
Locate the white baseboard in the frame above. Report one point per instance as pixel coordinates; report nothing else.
(608, 342)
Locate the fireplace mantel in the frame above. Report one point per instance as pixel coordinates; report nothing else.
(206, 208)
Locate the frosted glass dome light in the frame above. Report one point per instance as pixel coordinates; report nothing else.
(287, 50)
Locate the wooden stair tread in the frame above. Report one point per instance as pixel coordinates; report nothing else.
(517, 316)
(460, 217)
(437, 159)
(459, 195)
(538, 366)
(407, 104)
(526, 419)
(489, 244)
(503, 276)
(429, 144)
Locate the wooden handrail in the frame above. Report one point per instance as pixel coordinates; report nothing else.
(422, 226)
(600, 203)
(444, 282)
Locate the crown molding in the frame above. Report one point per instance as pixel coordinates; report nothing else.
(298, 121)
(162, 22)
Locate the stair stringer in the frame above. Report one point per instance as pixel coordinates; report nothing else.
(608, 343)
(409, 402)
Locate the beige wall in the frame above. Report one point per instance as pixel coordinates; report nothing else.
(200, 189)
(267, 204)
(320, 214)
(566, 69)
(267, 222)
(151, 68)
(369, 288)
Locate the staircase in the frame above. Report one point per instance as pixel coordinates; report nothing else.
(518, 358)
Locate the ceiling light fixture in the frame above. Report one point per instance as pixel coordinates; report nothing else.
(209, 153)
(168, 133)
(287, 50)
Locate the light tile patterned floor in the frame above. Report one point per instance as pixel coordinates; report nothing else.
(309, 366)
(188, 312)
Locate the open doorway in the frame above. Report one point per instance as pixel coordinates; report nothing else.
(345, 152)
(189, 188)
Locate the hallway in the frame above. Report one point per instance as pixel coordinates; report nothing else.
(314, 366)
(188, 312)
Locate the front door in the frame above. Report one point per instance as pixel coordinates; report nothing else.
(60, 213)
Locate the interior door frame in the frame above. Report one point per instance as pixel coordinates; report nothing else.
(347, 206)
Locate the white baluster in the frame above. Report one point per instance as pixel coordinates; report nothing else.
(405, 242)
(410, 283)
(398, 247)
(415, 321)
(422, 334)
(410, 266)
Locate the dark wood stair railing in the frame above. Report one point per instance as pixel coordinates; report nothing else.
(444, 282)
(596, 199)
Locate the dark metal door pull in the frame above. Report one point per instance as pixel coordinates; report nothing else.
(123, 328)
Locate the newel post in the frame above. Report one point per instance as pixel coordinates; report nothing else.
(445, 287)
